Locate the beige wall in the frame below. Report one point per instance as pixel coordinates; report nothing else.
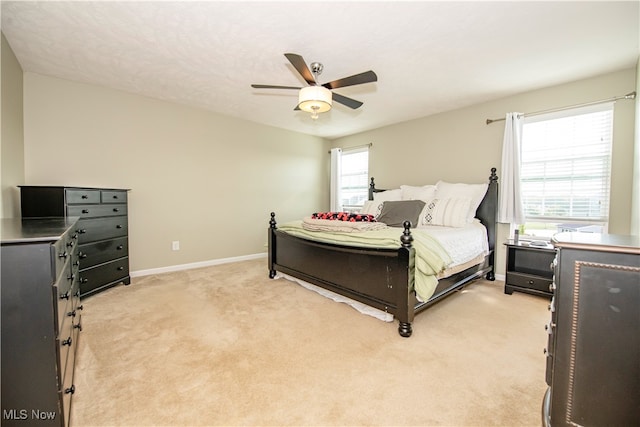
(11, 151)
(459, 146)
(203, 179)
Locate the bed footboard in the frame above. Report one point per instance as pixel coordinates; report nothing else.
(380, 278)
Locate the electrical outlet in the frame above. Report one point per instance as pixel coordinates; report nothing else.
(175, 245)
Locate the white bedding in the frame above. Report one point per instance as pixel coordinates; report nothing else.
(462, 244)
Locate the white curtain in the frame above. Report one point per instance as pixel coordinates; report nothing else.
(335, 204)
(511, 210)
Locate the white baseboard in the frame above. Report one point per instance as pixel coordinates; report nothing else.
(500, 277)
(200, 264)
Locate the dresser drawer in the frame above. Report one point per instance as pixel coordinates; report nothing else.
(528, 281)
(92, 211)
(103, 274)
(80, 196)
(65, 341)
(62, 252)
(113, 196)
(63, 292)
(67, 388)
(91, 230)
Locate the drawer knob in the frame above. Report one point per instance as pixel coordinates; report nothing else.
(116, 210)
(71, 277)
(84, 196)
(120, 247)
(71, 313)
(82, 231)
(80, 307)
(70, 390)
(531, 282)
(120, 268)
(115, 196)
(67, 341)
(85, 211)
(83, 280)
(63, 255)
(82, 255)
(118, 226)
(65, 295)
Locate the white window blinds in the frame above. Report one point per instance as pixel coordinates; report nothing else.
(354, 177)
(566, 164)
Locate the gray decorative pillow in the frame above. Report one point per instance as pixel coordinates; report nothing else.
(394, 214)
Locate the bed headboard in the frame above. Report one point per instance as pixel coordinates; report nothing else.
(487, 212)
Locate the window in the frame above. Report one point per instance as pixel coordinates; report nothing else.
(565, 170)
(354, 178)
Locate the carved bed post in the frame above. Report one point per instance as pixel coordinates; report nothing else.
(272, 245)
(406, 260)
(372, 188)
(493, 197)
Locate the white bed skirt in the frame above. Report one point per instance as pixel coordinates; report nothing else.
(362, 308)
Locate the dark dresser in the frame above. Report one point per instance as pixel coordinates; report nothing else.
(41, 320)
(593, 352)
(102, 229)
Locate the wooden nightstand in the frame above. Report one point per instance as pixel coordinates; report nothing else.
(529, 268)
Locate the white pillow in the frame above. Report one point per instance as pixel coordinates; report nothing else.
(445, 212)
(371, 207)
(388, 196)
(426, 192)
(476, 192)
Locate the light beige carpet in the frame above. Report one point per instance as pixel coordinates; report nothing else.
(225, 345)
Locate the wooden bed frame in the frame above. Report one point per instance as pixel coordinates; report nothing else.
(380, 278)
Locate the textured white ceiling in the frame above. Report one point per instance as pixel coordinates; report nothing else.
(429, 56)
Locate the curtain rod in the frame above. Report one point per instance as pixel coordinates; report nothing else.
(631, 95)
(357, 146)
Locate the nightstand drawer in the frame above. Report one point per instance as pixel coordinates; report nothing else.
(528, 281)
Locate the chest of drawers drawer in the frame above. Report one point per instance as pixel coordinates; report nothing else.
(113, 196)
(93, 211)
(109, 272)
(82, 196)
(102, 251)
(91, 230)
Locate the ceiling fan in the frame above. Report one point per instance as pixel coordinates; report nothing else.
(317, 98)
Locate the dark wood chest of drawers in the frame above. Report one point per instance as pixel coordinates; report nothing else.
(41, 320)
(102, 229)
(593, 351)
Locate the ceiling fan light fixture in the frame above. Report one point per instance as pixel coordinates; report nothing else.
(314, 100)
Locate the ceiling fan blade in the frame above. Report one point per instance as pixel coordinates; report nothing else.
(349, 102)
(274, 87)
(298, 62)
(357, 79)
